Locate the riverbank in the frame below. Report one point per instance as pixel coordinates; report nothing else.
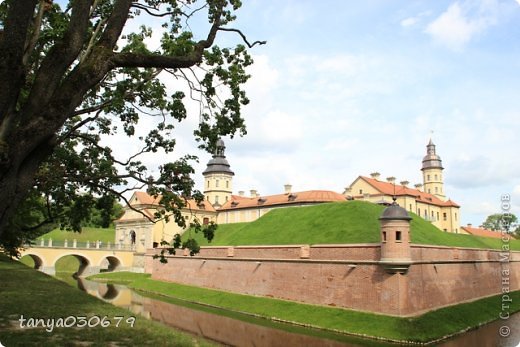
(32, 294)
(429, 327)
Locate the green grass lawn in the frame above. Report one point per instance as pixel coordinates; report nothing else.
(30, 293)
(86, 234)
(427, 327)
(330, 223)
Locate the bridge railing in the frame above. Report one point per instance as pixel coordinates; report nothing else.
(82, 245)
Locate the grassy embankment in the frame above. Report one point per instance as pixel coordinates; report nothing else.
(424, 328)
(30, 293)
(335, 223)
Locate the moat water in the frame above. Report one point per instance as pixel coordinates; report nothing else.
(236, 329)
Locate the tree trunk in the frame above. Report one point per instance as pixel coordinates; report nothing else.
(17, 178)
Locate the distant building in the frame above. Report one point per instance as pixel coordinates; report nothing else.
(222, 206)
(427, 200)
(138, 219)
(218, 183)
(469, 229)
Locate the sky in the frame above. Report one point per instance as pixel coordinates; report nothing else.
(346, 88)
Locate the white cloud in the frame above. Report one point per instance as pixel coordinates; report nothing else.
(263, 77)
(410, 21)
(460, 23)
(343, 63)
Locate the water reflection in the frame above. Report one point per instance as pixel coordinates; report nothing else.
(217, 325)
(242, 330)
(488, 335)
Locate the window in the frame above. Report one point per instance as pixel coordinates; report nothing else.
(205, 221)
(435, 177)
(227, 184)
(425, 214)
(216, 199)
(436, 190)
(398, 236)
(418, 211)
(438, 218)
(384, 236)
(429, 191)
(361, 191)
(410, 207)
(455, 217)
(444, 216)
(208, 183)
(428, 177)
(226, 199)
(216, 183)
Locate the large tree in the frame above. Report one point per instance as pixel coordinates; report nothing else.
(69, 78)
(507, 222)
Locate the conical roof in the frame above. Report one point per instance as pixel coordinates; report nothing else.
(219, 163)
(431, 159)
(395, 212)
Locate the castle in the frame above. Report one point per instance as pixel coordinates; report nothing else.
(427, 200)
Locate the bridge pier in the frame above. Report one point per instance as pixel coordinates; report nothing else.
(49, 270)
(89, 270)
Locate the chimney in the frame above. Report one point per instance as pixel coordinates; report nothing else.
(470, 225)
(418, 186)
(253, 193)
(391, 179)
(375, 175)
(240, 193)
(287, 188)
(404, 183)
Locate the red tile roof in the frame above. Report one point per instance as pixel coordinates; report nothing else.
(482, 232)
(309, 196)
(146, 199)
(387, 188)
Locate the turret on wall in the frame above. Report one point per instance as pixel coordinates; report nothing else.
(396, 254)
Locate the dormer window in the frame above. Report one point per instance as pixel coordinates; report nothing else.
(261, 201)
(292, 197)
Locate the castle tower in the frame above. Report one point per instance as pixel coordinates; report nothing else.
(218, 177)
(432, 172)
(396, 254)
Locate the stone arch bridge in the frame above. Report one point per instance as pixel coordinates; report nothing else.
(92, 259)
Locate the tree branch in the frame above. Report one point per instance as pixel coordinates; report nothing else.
(115, 24)
(12, 47)
(58, 60)
(36, 32)
(250, 45)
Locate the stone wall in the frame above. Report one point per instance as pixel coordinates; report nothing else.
(347, 276)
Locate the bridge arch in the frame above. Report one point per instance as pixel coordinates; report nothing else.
(110, 263)
(84, 263)
(38, 262)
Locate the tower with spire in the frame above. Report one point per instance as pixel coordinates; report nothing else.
(432, 172)
(218, 177)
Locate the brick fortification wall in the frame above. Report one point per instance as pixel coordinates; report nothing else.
(347, 276)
